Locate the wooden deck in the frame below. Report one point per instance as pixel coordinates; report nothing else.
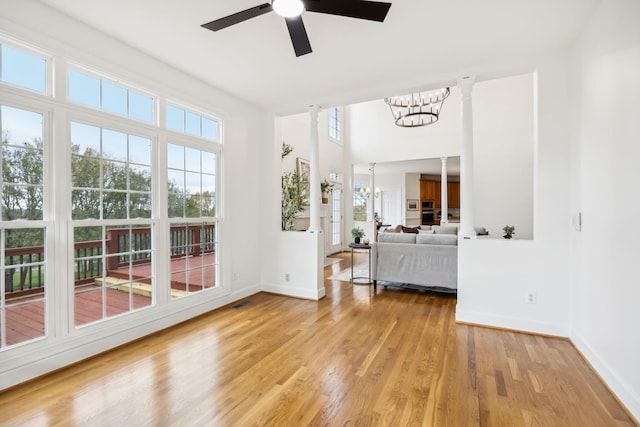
(25, 315)
(190, 274)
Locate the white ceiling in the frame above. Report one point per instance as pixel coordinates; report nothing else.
(422, 44)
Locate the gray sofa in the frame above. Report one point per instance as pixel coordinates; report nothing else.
(426, 260)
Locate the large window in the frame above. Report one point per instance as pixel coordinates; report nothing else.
(111, 190)
(191, 179)
(82, 204)
(22, 231)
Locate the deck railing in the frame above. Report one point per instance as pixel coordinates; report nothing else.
(125, 244)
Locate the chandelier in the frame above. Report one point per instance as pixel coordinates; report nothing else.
(417, 109)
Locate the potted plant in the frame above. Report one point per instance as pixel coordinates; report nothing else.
(325, 187)
(294, 187)
(357, 234)
(509, 230)
(377, 219)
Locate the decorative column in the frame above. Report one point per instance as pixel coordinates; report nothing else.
(372, 193)
(467, 220)
(444, 200)
(314, 178)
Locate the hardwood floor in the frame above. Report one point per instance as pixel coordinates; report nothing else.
(396, 358)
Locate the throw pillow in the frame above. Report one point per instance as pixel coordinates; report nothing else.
(393, 229)
(413, 230)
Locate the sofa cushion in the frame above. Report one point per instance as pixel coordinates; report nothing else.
(437, 239)
(396, 238)
(421, 231)
(445, 229)
(413, 230)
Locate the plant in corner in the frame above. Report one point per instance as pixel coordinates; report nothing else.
(325, 188)
(509, 230)
(294, 187)
(357, 234)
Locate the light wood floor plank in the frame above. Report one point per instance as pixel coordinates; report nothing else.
(356, 358)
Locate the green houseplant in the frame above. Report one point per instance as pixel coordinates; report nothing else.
(509, 230)
(376, 218)
(325, 188)
(357, 234)
(294, 187)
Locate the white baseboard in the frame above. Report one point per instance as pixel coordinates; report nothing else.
(513, 323)
(617, 385)
(291, 291)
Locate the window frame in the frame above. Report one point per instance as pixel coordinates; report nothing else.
(37, 105)
(109, 79)
(187, 108)
(201, 144)
(58, 113)
(334, 126)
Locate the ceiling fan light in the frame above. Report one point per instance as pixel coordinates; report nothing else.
(288, 8)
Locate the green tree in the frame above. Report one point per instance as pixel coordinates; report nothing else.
(22, 179)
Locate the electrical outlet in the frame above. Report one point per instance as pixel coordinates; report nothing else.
(235, 276)
(286, 277)
(532, 298)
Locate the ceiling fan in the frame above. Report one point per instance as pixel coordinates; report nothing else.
(291, 10)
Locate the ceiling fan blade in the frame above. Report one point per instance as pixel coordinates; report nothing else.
(236, 18)
(298, 35)
(362, 9)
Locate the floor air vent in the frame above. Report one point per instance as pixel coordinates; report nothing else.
(241, 304)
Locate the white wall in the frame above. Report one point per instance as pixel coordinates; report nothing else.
(606, 154)
(296, 255)
(494, 274)
(503, 154)
(244, 130)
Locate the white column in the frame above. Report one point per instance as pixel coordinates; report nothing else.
(314, 178)
(372, 194)
(467, 220)
(444, 196)
(371, 233)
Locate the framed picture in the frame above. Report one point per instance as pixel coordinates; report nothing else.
(303, 167)
(412, 204)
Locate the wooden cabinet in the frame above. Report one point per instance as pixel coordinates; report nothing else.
(428, 190)
(453, 194)
(431, 191)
